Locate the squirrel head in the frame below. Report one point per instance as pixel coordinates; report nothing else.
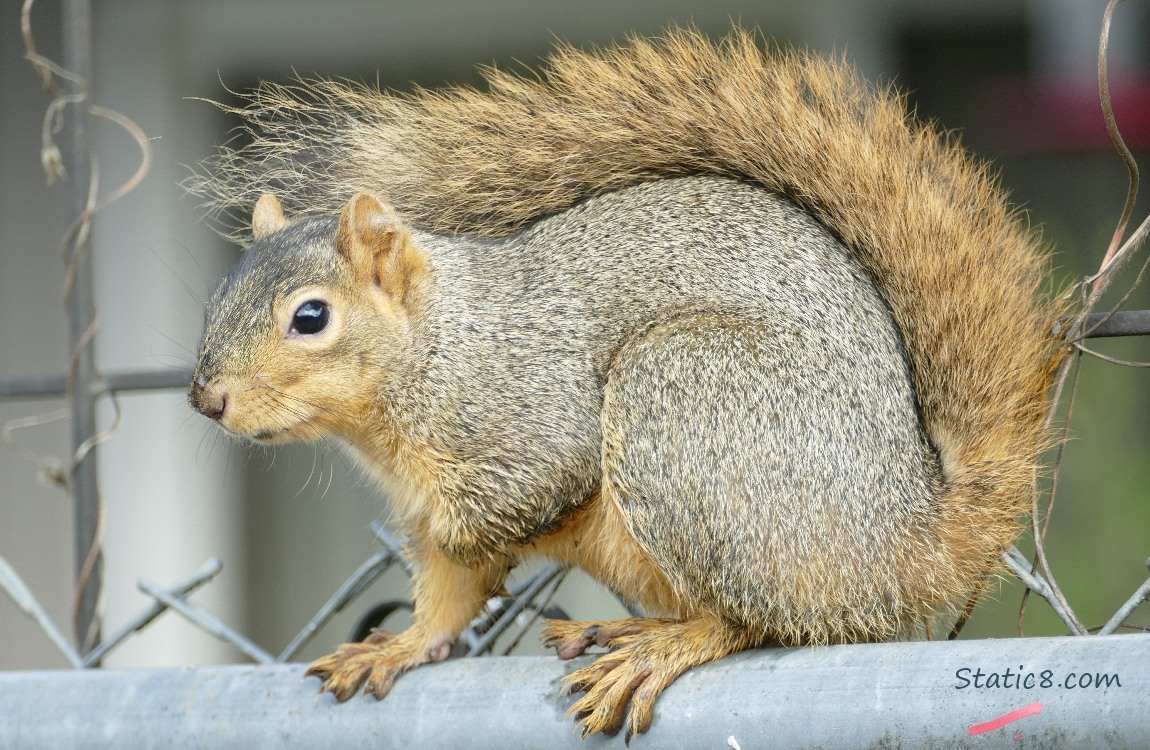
(302, 334)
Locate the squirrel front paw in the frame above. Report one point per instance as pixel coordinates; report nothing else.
(375, 663)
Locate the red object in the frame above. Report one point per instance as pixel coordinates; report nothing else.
(1061, 114)
(990, 726)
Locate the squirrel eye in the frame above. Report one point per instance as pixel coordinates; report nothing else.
(311, 317)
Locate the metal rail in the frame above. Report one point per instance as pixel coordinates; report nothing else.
(1123, 323)
(55, 386)
(1041, 692)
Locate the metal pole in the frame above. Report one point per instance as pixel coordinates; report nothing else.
(77, 57)
(1070, 692)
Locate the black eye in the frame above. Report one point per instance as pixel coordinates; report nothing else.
(310, 317)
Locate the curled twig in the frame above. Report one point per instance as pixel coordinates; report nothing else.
(1053, 593)
(77, 94)
(1111, 360)
(77, 233)
(50, 469)
(46, 74)
(90, 567)
(1116, 256)
(1113, 258)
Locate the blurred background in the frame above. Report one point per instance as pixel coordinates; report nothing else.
(1014, 79)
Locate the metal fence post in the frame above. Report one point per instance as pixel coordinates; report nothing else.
(77, 57)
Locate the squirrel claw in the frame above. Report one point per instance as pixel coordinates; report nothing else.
(617, 693)
(628, 675)
(571, 638)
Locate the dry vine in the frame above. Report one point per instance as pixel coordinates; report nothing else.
(71, 90)
(1076, 330)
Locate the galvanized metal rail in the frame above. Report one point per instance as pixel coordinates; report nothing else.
(1036, 692)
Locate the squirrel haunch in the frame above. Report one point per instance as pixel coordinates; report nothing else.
(720, 325)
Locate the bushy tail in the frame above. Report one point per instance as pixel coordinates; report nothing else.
(961, 272)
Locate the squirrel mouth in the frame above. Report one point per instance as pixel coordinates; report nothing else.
(279, 435)
(266, 434)
(304, 430)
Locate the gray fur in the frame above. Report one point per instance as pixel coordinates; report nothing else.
(696, 296)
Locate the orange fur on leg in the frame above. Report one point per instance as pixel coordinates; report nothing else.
(447, 597)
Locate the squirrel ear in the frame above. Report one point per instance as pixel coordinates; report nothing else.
(376, 244)
(267, 217)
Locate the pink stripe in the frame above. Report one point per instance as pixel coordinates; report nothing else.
(990, 726)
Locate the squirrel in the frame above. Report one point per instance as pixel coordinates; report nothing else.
(719, 324)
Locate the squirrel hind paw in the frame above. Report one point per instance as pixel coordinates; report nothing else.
(645, 656)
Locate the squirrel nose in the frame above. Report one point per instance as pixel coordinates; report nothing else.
(211, 402)
(213, 407)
